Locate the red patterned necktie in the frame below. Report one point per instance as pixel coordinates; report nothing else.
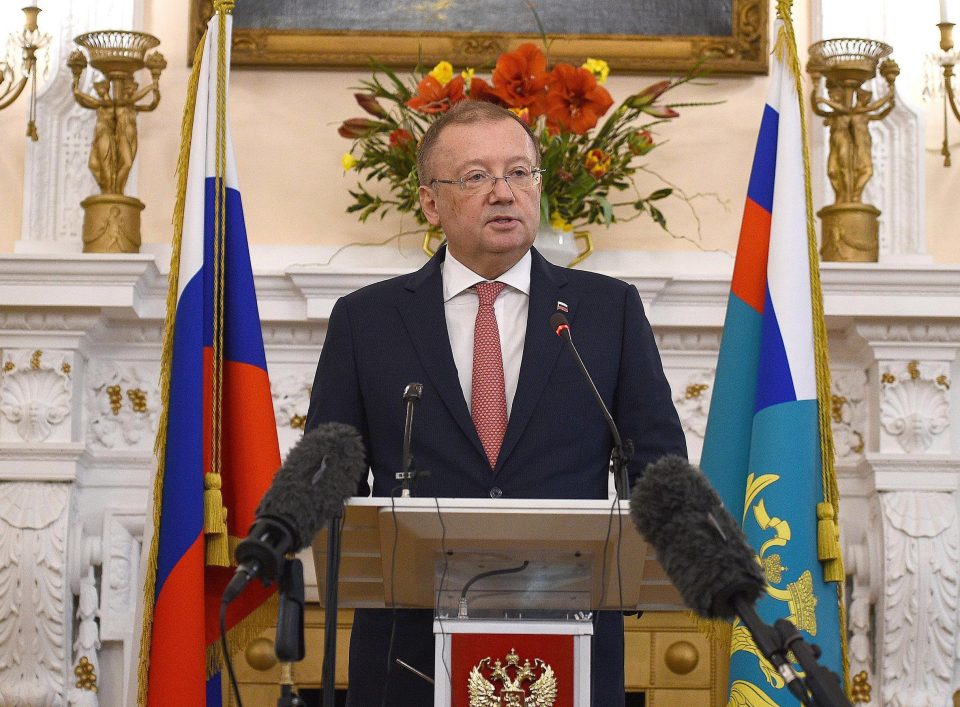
(488, 399)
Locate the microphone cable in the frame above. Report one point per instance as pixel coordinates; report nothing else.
(226, 652)
(443, 579)
(393, 596)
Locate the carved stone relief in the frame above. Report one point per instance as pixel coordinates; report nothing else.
(922, 578)
(914, 407)
(33, 608)
(123, 404)
(35, 390)
(848, 413)
(693, 402)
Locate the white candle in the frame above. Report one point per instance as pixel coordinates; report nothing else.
(945, 14)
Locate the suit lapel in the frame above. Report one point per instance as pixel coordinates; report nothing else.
(423, 316)
(541, 347)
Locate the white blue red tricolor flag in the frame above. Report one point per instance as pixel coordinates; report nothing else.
(217, 443)
(768, 448)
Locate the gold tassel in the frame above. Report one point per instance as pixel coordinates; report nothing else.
(215, 522)
(828, 543)
(717, 631)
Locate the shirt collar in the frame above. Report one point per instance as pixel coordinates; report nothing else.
(457, 277)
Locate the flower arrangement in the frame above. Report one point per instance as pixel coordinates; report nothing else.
(584, 164)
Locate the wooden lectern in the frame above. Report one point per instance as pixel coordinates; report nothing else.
(507, 579)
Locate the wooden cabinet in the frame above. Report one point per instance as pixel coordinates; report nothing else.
(666, 658)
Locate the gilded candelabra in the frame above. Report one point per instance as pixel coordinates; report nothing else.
(111, 221)
(14, 78)
(839, 68)
(949, 98)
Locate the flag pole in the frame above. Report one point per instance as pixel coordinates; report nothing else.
(828, 511)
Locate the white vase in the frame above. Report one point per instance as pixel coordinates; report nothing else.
(557, 246)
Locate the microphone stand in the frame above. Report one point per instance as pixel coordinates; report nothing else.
(411, 395)
(328, 679)
(820, 686)
(769, 643)
(823, 683)
(289, 643)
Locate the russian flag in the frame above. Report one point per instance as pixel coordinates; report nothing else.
(762, 448)
(218, 414)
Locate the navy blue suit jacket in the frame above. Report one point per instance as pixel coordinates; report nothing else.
(557, 444)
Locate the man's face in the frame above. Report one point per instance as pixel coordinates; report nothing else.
(488, 233)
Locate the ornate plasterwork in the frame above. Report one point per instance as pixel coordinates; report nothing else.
(123, 404)
(291, 400)
(35, 390)
(56, 177)
(848, 413)
(910, 332)
(294, 335)
(687, 340)
(122, 541)
(920, 601)
(33, 609)
(693, 401)
(865, 573)
(86, 663)
(914, 406)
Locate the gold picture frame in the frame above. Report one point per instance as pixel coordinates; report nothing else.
(744, 50)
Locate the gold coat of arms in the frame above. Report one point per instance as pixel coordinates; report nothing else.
(507, 683)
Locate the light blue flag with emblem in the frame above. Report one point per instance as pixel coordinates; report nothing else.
(768, 449)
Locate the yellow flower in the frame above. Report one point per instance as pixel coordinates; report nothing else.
(348, 161)
(558, 223)
(597, 162)
(442, 72)
(599, 68)
(467, 75)
(522, 113)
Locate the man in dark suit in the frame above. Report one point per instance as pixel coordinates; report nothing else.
(515, 420)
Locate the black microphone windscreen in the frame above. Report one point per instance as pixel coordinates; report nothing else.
(700, 546)
(557, 321)
(320, 473)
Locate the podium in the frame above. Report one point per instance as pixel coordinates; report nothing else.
(499, 574)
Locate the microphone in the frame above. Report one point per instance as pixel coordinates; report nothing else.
(621, 451)
(321, 471)
(411, 396)
(705, 553)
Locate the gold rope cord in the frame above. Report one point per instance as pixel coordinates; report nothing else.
(219, 546)
(214, 513)
(166, 360)
(828, 541)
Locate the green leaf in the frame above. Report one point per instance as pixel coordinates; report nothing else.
(658, 216)
(660, 194)
(607, 209)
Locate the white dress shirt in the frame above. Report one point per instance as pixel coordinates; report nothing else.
(460, 305)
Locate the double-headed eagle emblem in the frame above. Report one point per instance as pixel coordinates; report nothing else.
(519, 685)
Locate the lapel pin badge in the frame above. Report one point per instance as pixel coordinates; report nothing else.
(562, 307)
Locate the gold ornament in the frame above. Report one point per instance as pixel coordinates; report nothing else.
(523, 685)
(850, 227)
(111, 221)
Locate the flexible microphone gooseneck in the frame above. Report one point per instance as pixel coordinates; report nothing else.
(622, 449)
(705, 553)
(321, 471)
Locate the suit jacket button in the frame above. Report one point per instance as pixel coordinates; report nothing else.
(496, 492)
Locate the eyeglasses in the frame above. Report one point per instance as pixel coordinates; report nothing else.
(479, 182)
